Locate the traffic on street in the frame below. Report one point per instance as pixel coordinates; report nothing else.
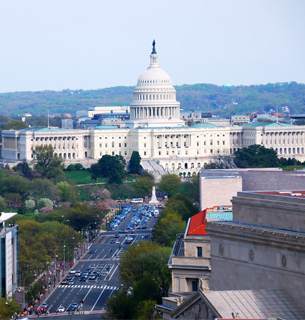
(86, 287)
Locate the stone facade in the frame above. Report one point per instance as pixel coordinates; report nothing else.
(156, 131)
(263, 248)
(186, 267)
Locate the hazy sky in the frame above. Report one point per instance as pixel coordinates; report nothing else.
(91, 44)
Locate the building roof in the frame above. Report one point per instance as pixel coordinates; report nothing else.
(266, 124)
(197, 224)
(204, 125)
(255, 304)
(6, 215)
(104, 127)
(291, 194)
(43, 129)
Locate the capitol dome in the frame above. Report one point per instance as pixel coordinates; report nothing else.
(154, 98)
(154, 77)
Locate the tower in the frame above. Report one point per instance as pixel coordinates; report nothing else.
(154, 98)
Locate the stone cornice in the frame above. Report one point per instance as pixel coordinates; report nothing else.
(259, 234)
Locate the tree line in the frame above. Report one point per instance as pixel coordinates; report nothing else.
(221, 100)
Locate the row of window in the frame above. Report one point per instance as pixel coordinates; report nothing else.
(156, 97)
(154, 81)
(113, 145)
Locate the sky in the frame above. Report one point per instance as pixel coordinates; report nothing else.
(94, 44)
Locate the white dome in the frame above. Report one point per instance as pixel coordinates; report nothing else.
(154, 77)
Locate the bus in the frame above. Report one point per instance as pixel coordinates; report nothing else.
(137, 200)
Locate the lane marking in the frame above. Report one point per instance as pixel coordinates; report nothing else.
(97, 300)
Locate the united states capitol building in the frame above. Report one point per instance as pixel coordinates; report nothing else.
(154, 129)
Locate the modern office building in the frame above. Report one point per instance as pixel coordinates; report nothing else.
(8, 256)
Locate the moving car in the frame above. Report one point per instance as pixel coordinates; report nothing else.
(71, 282)
(91, 251)
(82, 278)
(128, 240)
(61, 308)
(78, 273)
(93, 276)
(68, 278)
(65, 281)
(116, 235)
(112, 241)
(74, 306)
(72, 271)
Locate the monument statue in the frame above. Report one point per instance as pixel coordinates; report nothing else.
(153, 200)
(154, 48)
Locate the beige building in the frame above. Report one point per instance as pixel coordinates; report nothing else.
(257, 262)
(190, 259)
(265, 241)
(156, 131)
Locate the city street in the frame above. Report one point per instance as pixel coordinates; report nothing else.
(102, 258)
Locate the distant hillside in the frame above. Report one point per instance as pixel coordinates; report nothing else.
(223, 101)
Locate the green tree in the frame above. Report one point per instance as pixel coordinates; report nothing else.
(190, 188)
(167, 228)
(111, 167)
(13, 200)
(181, 204)
(44, 188)
(80, 215)
(48, 164)
(134, 163)
(143, 186)
(170, 184)
(8, 308)
(146, 309)
(120, 306)
(15, 124)
(147, 258)
(44, 202)
(25, 169)
(3, 206)
(14, 184)
(29, 205)
(256, 156)
(66, 191)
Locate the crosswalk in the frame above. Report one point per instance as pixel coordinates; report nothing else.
(89, 286)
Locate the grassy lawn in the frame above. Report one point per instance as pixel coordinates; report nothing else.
(291, 168)
(81, 177)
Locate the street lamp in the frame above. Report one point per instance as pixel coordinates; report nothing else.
(65, 251)
(88, 229)
(29, 275)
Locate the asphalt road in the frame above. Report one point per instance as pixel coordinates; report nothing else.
(106, 261)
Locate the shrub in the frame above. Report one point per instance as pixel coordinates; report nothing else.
(45, 202)
(78, 167)
(29, 205)
(70, 167)
(46, 209)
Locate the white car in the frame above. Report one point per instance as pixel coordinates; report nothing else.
(61, 309)
(72, 271)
